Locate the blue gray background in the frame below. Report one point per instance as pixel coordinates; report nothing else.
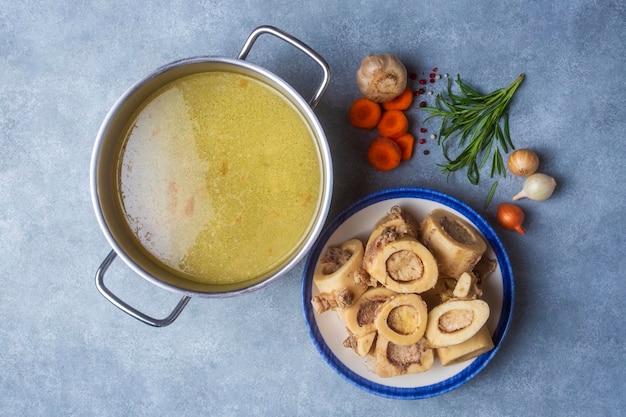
(66, 351)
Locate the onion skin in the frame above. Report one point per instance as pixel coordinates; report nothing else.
(523, 162)
(511, 217)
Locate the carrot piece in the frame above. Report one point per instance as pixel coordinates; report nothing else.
(393, 124)
(402, 102)
(406, 143)
(384, 154)
(365, 113)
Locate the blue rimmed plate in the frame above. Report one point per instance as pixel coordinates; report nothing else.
(328, 332)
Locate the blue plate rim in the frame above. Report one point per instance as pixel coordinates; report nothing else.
(467, 373)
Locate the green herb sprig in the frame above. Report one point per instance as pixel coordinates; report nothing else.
(474, 119)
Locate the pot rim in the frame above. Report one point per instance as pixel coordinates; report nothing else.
(225, 290)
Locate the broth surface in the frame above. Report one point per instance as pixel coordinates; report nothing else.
(219, 177)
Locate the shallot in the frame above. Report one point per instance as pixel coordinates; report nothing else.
(511, 217)
(537, 187)
(523, 162)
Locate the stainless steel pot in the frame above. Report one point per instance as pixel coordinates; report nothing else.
(105, 155)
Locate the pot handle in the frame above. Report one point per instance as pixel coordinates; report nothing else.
(297, 44)
(126, 308)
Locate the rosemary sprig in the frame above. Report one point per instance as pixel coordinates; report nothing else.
(490, 194)
(474, 119)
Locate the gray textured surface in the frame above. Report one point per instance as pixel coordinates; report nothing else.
(64, 350)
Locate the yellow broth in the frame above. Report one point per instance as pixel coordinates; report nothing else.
(218, 177)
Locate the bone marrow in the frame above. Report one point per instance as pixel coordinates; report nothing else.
(339, 277)
(394, 360)
(454, 242)
(455, 321)
(359, 317)
(402, 319)
(410, 292)
(403, 265)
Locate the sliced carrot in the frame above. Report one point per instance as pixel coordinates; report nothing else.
(393, 124)
(406, 143)
(364, 113)
(384, 154)
(402, 102)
